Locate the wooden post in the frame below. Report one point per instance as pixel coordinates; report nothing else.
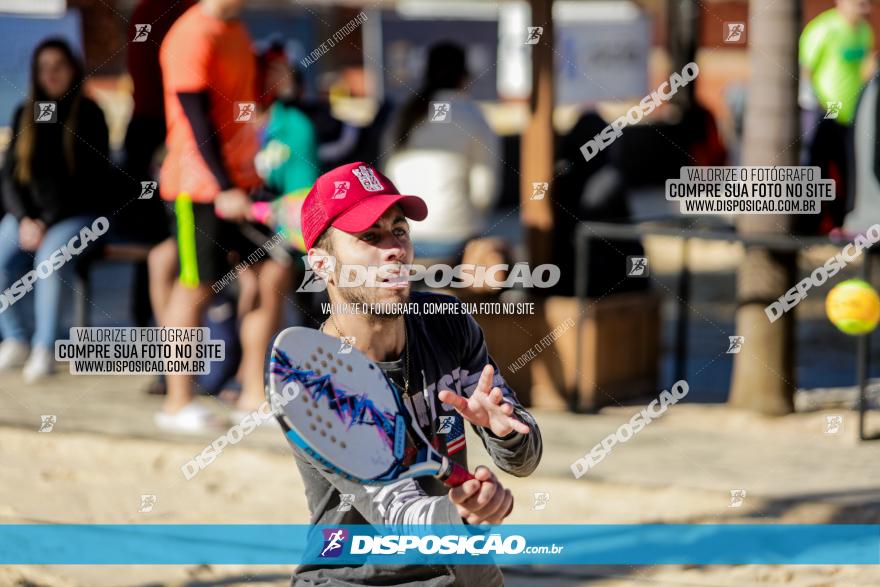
(536, 149)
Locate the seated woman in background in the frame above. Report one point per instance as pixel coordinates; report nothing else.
(53, 178)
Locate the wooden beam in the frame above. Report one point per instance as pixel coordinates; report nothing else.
(536, 149)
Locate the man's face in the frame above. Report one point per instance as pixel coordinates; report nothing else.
(385, 245)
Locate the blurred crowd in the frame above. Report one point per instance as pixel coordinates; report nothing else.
(222, 133)
(223, 146)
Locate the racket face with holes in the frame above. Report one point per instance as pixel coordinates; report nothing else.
(339, 407)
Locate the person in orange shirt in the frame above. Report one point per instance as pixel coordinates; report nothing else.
(208, 72)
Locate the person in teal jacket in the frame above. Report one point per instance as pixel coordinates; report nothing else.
(288, 161)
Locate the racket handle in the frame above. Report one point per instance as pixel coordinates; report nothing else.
(457, 475)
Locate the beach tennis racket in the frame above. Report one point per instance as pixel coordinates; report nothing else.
(340, 408)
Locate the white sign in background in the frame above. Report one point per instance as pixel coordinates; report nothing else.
(602, 61)
(602, 48)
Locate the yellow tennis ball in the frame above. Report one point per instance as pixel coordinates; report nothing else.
(853, 306)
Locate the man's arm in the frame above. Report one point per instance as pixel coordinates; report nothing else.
(516, 453)
(403, 503)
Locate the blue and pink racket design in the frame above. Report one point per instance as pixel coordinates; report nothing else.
(340, 408)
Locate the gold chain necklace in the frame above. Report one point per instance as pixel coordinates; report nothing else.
(405, 349)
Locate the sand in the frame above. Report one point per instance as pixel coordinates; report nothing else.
(81, 477)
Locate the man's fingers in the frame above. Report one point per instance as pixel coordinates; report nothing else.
(458, 495)
(482, 499)
(506, 417)
(483, 473)
(494, 509)
(485, 382)
(487, 493)
(505, 505)
(479, 502)
(464, 498)
(487, 401)
(453, 399)
(519, 426)
(503, 510)
(493, 503)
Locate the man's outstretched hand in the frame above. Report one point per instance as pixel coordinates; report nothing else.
(486, 406)
(482, 500)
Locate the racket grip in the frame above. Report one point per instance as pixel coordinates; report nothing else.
(457, 476)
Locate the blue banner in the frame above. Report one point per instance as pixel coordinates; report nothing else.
(698, 544)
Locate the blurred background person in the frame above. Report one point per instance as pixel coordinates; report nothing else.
(52, 189)
(208, 69)
(144, 220)
(338, 142)
(834, 56)
(288, 159)
(453, 164)
(147, 221)
(288, 164)
(592, 191)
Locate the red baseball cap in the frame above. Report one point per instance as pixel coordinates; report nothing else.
(352, 198)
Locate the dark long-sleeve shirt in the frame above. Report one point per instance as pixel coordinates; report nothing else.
(56, 192)
(446, 352)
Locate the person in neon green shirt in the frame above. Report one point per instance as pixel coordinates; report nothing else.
(835, 50)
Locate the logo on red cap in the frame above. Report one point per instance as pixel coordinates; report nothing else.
(340, 189)
(368, 178)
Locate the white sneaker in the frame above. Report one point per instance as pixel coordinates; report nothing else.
(193, 418)
(39, 365)
(13, 354)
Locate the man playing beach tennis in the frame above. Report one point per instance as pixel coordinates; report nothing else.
(439, 363)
